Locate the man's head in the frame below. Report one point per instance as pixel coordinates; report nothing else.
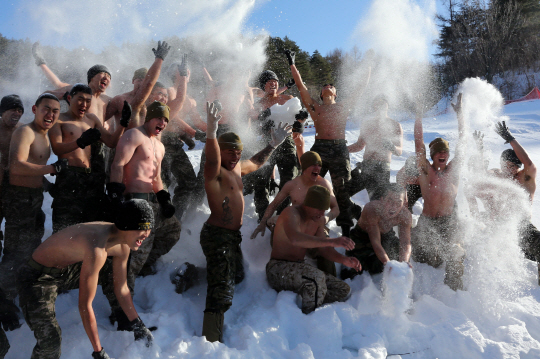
(328, 90)
(268, 81)
(136, 218)
(393, 198)
(157, 118)
(159, 93)
(510, 163)
(311, 165)
(379, 103)
(439, 151)
(139, 75)
(79, 99)
(46, 111)
(317, 201)
(11, 110)
(99, 77)
(230, 147)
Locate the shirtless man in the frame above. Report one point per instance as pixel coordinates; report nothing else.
(80, 257)
(136, 173)
(435, 239)
(375, 240)
(381, 137)
(220, 235)
(330, 119)
(298, 228)
(23, 197)
(78, 193)
(11, 110)
(407, 177)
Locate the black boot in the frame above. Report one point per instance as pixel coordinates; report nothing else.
(213, 326)
(185, 277)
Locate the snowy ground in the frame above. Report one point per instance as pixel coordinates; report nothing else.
(496, 317)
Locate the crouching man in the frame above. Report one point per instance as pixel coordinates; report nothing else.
(298, 228)
(76, 257)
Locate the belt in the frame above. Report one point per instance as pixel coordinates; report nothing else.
(150, 197)
(80, 169)
(47, 270)
(342, 141)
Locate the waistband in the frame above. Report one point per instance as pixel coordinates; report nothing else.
(376, 163)
(232, 231)
(47, 270)
(150, 197)
(285, 260)
(335, 142)
(79, 169)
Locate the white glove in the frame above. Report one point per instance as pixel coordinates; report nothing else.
(280, 133)
(212, 120)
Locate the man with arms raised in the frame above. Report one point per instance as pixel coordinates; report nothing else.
(375, 241)
(23, 196)
(330, 119)
(298, 228)
(220, 235)
(78, 193)
(80, 257)
(435, 239)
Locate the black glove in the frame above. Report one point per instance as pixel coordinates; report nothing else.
(126, 115)
(38, 55)
(88, 137)
(100, 355)
(140, 331)
(8, 313)
(302, 115)
(60, 165)
(504, 132)
(200, 135)
(264, 115)
(290, 84)
(162, 50)
(183, 67)
(188, 141)
(115, 192)
(164, 199)
(298, 127)
(290, 56)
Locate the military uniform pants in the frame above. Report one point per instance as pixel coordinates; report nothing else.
(369, 175)
(25, 226)
(314, 286)
(37, 298)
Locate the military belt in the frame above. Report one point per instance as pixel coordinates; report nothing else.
(150, 197)
(47, 270)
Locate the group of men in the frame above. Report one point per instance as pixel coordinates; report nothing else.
(113, 216)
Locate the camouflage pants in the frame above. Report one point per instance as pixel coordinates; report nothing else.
(176, 166)
(224, 265)
(436, 240)
(25, 226)
(363, 251)
(5, 183)
(335, 158)
(413, 194)
(369, 175)
(530, 241)
(79, 197)
(314, 286)
(37, 297)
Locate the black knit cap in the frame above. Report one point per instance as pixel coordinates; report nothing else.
(266, 76)
(135, 214)
(10, 102)
(510, 156)
(96, 69)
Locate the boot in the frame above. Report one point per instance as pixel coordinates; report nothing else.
(213, 326)
(185, 277)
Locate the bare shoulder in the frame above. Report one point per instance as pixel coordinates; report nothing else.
(25, 131)
(105, 98)
(321, 181)
(93, 119)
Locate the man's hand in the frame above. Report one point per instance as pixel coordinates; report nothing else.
(162, 50)
(60, 165)
(38, 55)
(141, 332)
(8, 314)
(200, 135)
(343, 242)
(479, 140)
(126, 115)
(353, 263)
(290, 83)
(504, 132)
(298, 139)
(457, 105)
(290, 56)
(261, 228)
(183, 67)
(101, 354)
(212, 119)
(164, 199)
(188, 141)
(88, 137)
(280, 133)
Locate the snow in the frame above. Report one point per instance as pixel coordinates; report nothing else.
(398, 314)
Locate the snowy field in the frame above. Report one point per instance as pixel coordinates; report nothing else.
(497, 316)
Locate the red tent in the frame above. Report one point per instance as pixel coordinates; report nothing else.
(533, 95)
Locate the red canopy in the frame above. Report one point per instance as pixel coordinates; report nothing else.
(533, 95)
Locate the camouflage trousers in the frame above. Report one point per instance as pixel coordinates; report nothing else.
(5, 183)
(176, 166)
(25, 226)
(79, 197)
(314, 286)
(436, 240)
(335, 158)
(38, 289)
(224, 265)
(413, 194)
(363, 251)
(369, 175)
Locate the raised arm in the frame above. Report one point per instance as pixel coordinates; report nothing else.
(308, 102)
(181, 88)
(212, 166)
(420, 149)
(528, 166)
(42, 64)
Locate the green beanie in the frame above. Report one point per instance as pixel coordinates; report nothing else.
(140, 73)
(157, 109)
(317, 197)
(438, 145)
(230, 141)
(309, 159)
